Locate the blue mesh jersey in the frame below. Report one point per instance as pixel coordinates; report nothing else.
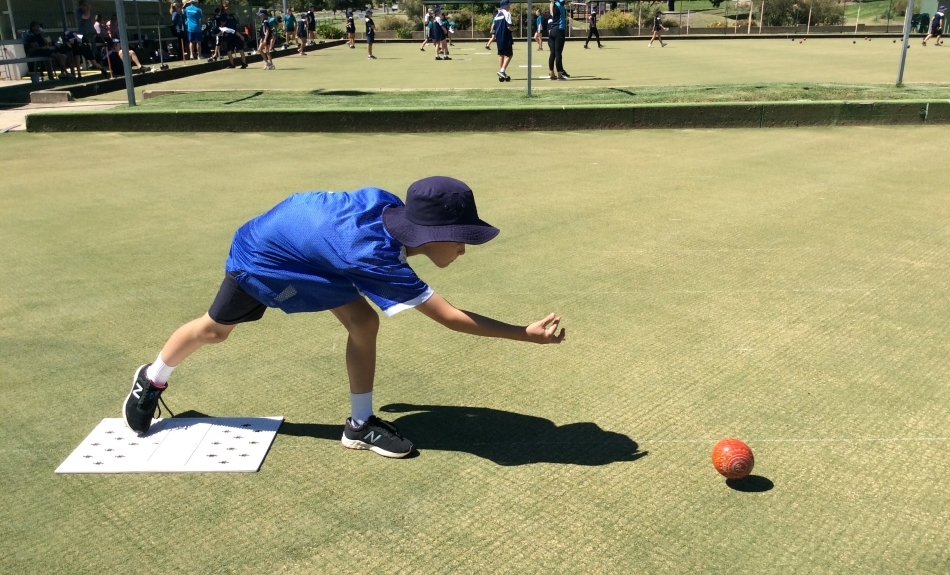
(319, 250)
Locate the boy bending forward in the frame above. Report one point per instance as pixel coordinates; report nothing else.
(332, 251)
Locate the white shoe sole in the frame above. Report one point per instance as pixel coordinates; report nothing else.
(357, 444)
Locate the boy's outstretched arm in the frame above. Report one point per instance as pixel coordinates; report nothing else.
(542, 331)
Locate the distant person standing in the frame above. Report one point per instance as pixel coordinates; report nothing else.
(538, 26)
(557, 34)
(267, 38)
(350, 29)
(670, 4)
(290, 26)
(370, 35)
(592, 26)
(502, 32)
(179, 28)
(85, 23)
(301, 35)
(311, 25)
(438, 35)
(936, 26)
(657, 26)
(193, 18)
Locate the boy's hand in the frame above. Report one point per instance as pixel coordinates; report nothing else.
(545, 330)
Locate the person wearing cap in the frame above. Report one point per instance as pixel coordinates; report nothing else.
(936, 26)
(268, 37)
(370, 35)
(193, 20)
(337, 252)
(350, 30)
(115, 62)
(501, 32)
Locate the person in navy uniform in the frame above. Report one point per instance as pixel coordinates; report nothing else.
(350, 29)
(338, 251)
(502, 33)
(936, 26)
(657, 26)
(438, 36)
(370, 34)
(268, 35)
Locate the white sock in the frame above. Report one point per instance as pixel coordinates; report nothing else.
(362, 407)
(159, 372)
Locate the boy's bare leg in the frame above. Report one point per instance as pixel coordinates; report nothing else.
(362, 323)
(190, 337)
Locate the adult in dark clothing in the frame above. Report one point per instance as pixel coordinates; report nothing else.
(36, 46)
(936, 26)
(592, 26)
(311, 26)
(70, 46)
(85, 23)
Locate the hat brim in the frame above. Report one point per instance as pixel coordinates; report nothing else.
(413, 235)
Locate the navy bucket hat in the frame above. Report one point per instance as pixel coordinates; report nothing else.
(438, 209)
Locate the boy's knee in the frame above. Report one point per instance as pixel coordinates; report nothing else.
(214, 333)
(362, 320)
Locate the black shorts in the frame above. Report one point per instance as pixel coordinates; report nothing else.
(233, 305)
(506, 51)
(936, 30)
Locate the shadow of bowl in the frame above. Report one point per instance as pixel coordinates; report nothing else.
(751, 484)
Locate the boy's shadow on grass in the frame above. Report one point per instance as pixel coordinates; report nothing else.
(504, 437)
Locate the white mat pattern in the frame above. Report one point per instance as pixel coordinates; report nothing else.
(178, 445)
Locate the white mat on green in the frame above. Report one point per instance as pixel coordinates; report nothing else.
(176, 445)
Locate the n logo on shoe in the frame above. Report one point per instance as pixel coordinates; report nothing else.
(372, 437)
(137, 390)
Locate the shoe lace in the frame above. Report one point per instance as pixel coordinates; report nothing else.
(389, 427)
(158, 408)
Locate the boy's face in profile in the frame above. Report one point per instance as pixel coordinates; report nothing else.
(442, 253)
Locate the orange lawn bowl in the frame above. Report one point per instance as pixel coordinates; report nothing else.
(733, 459)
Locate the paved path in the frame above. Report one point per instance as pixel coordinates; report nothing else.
(14, 119)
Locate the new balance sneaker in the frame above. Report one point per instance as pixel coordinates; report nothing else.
(141, 403)
(376, 435)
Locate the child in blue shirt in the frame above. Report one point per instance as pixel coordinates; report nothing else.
(334, 251)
